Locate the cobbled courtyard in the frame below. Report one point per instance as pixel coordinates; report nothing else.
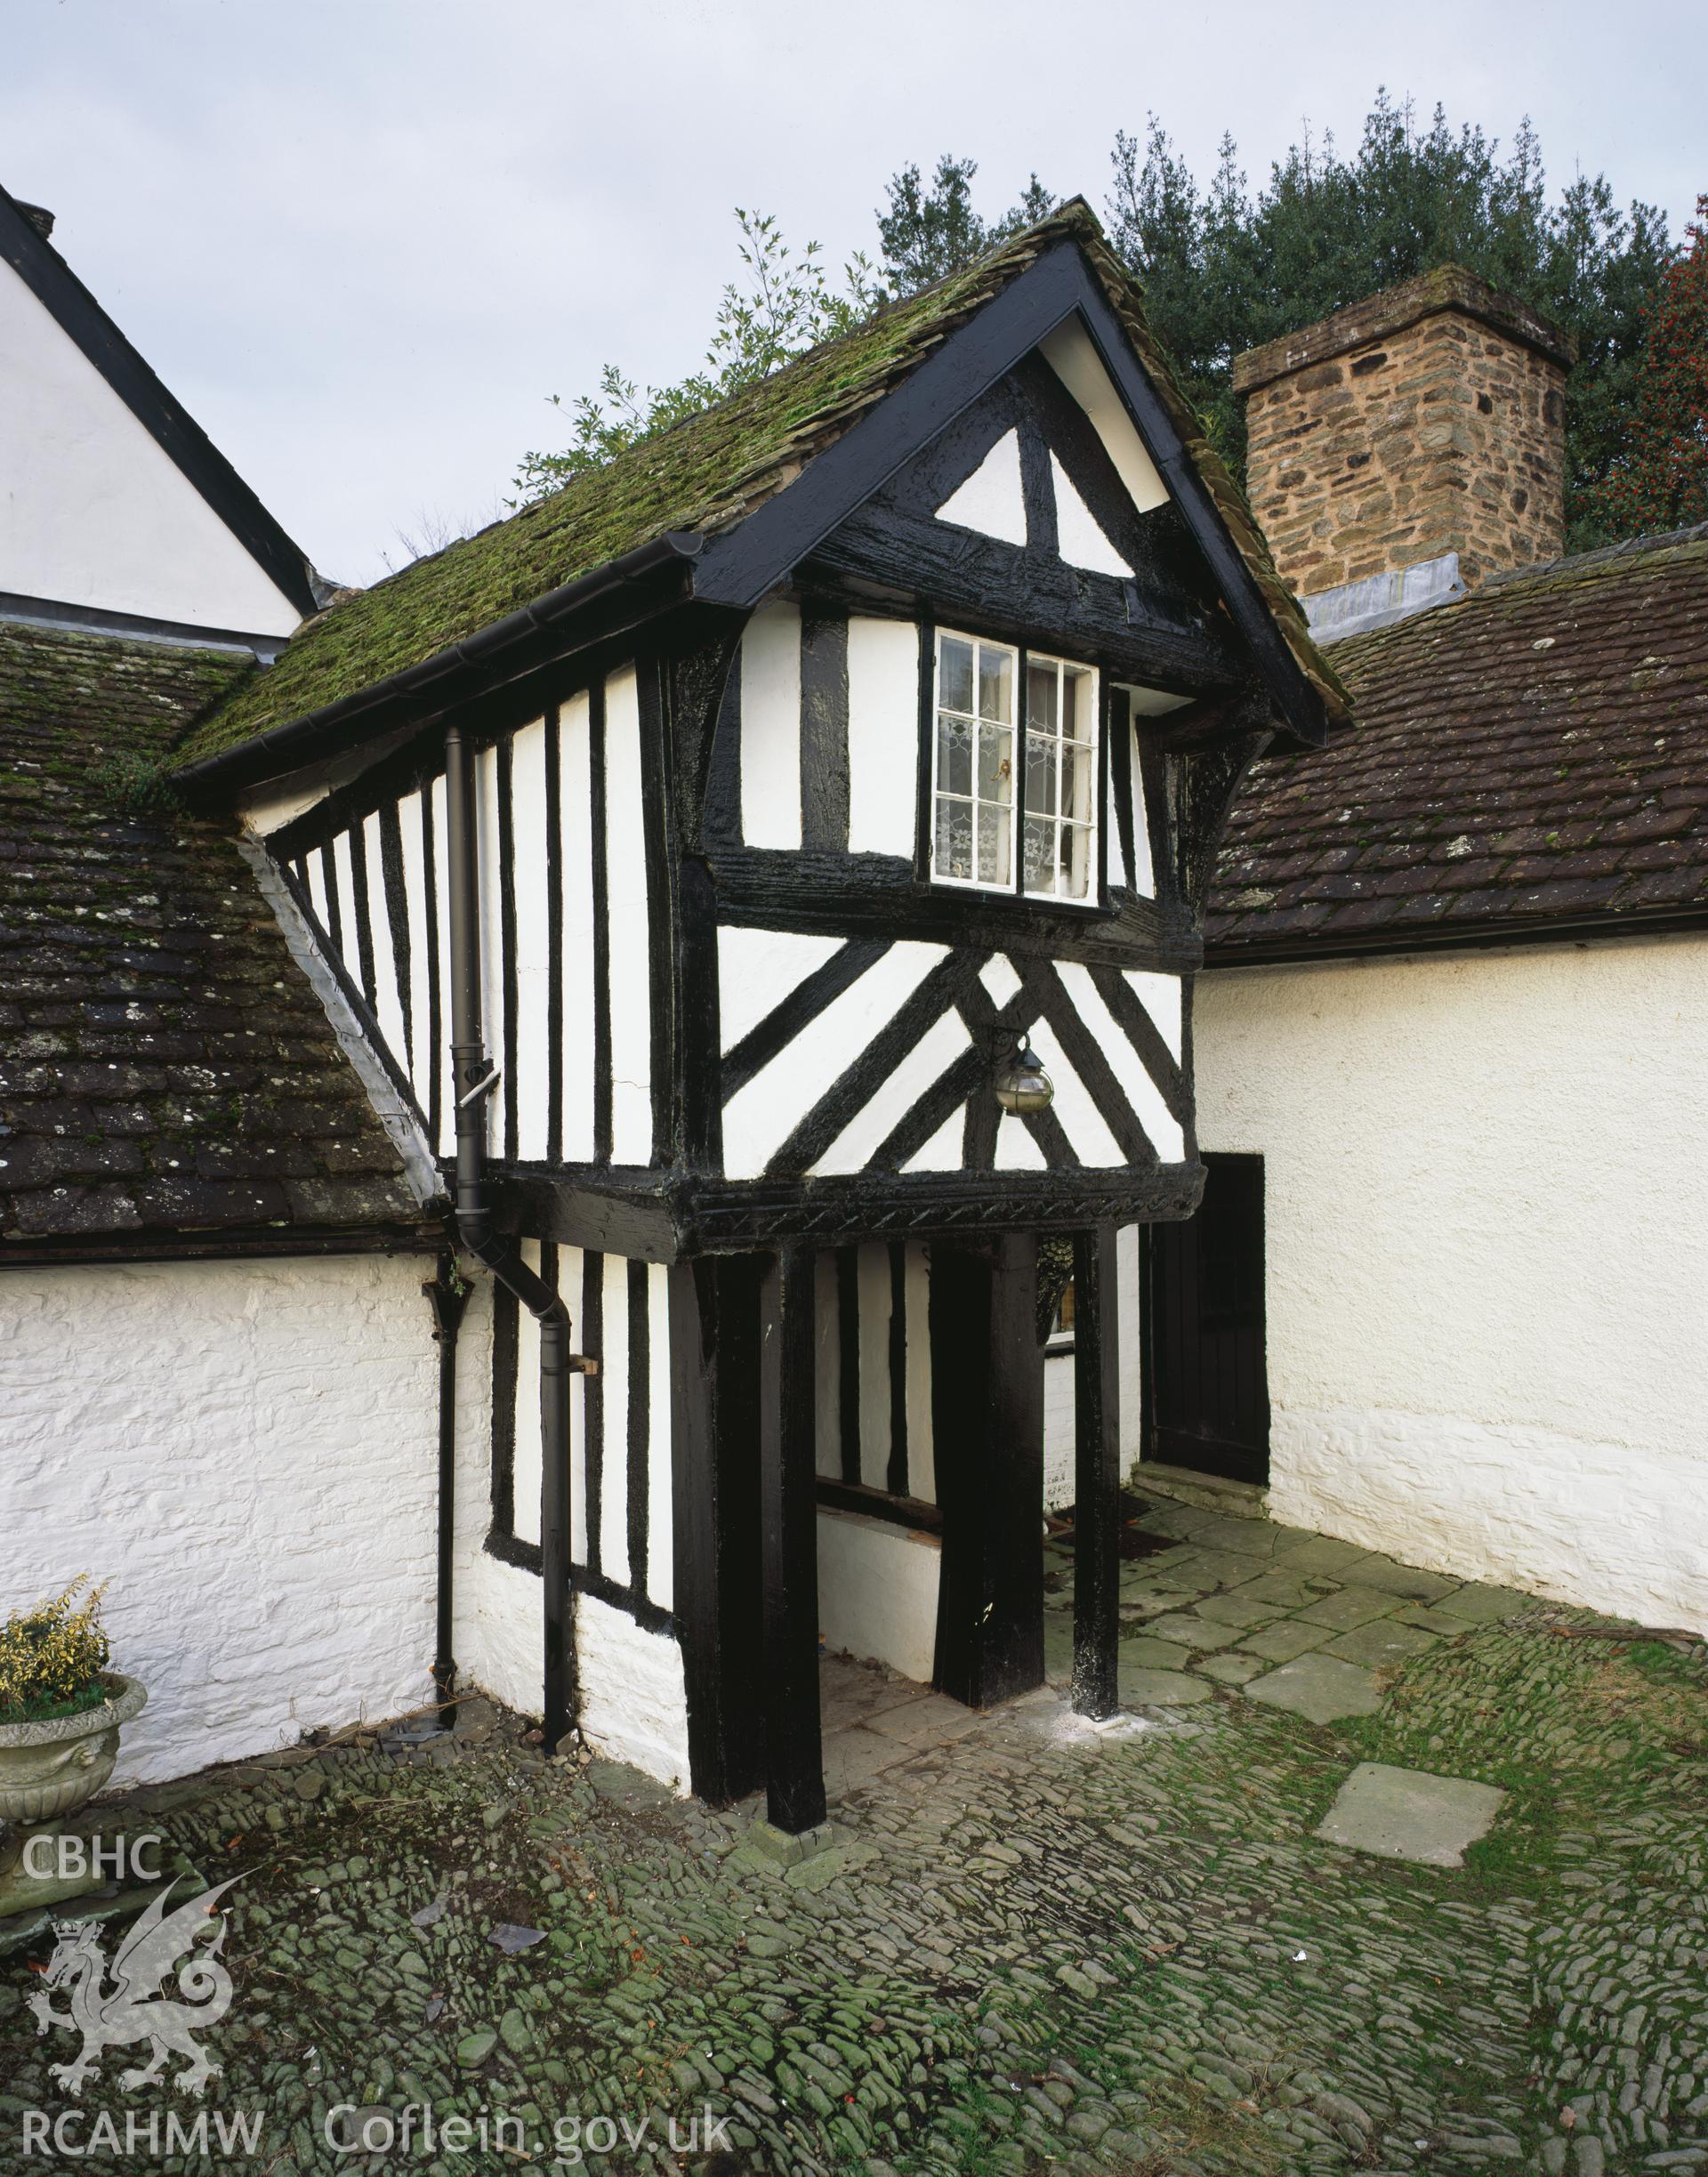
(1032, 1944)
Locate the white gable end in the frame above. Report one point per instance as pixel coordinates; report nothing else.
(93, 513)
(1079, 536)
(991, 498)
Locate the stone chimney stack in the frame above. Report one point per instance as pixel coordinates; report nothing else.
(1426, 420)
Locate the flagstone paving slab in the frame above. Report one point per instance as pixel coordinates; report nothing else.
(1406, 1581)
(1286, 1638)
(1480, 1605)
(1142, 1688)
(1321, 1554)
(1246, 1537)
(1231, 1669)
(1409, 1814)
(1234, 1610)
(1286, 1591)
(1352, 1606)
(1193, 1632)
(1139, 1652)
(1379, 1643)
(1322, 1689)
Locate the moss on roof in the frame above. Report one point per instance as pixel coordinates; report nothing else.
(704, 473)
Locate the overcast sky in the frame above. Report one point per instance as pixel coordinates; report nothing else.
(364, 239)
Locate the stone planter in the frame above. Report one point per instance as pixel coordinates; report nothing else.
(48, 1769)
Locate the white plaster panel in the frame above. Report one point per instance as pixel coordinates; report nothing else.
(1161, 998)
(633, 1697)
(943, 1151)
(872, 1285)
(1071, 354)
(759, 1119)
(757, 969)
(1129, 1370)
(492, 937)
(826, 1364)
(771, 727)
(991, 500)
(883, 735)
(1016, 1150)
(922, 1456)
(527, 1461)
(533, 937)
(245, 1453)
(1162, 1128)
(1059, 1461)
(1079, 534)
(575, 789)
(877, 1592)
(937, 1049)
(442, 938)
(1000, 978)
(318, 895)
(388, 1002)
(614, 1375)
(1487, 1226)
(1084, 1126)
(627, 912)
(661, 1585)
(93, 511)
(1143, 875)
(423, 1057)
(343, 882)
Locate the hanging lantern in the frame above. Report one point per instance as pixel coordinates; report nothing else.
(1021, 1084)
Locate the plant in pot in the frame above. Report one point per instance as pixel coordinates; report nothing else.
(60, 1710)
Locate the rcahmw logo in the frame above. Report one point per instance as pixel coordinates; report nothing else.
(132, 2008)
(142, 2132)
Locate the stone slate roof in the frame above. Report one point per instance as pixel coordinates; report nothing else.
(165, 1065)
(1534, 753)
(703, 475)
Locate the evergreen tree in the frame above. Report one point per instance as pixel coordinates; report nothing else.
(1224, 268)
(1659, 479)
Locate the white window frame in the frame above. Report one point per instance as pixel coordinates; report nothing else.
(1021, 662)
(1065, 669)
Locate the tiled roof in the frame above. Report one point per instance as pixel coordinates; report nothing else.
(706, 474)
(163, 1064)
(1537, 752)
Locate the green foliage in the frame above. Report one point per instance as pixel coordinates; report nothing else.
(927, 233)
(137, 784)
(1659, 479)
(782, 305)
(52, 1659)
(1224, 269)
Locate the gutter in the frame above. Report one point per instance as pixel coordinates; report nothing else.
(483, 658)
(473, 1077)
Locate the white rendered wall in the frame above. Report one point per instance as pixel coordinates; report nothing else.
(245, 1454)
(91, 511)
(1487, 1214)
(877, 1592)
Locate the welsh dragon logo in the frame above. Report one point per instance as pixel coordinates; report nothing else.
(131, 2009)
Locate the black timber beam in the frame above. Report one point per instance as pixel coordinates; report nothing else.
(794, 1766)
(988, 1432)
(1097, 1473)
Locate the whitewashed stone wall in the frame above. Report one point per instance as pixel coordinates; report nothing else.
(245, 1454)
(1488, 1248)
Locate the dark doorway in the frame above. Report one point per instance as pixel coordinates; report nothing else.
(1206, 1385)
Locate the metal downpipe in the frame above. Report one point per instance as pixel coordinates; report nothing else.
(474, 1077)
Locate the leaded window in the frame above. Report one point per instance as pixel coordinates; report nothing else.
(1044, 841)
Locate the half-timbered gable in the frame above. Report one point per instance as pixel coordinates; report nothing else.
(770, 872)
